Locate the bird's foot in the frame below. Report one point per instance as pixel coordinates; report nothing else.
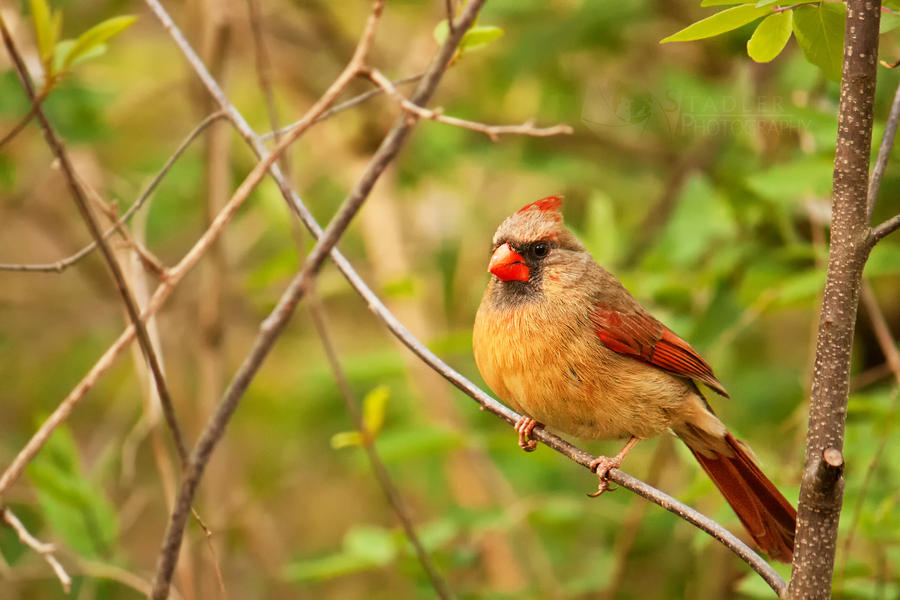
(601, 466)
(523, 427)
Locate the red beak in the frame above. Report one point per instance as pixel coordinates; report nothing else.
(508, 265)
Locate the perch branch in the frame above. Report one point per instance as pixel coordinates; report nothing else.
(277, 320)
(756, 562)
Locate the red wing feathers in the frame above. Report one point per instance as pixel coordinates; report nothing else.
(639, 335)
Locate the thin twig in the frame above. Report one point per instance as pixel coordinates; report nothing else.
(61, 265)
(26, 118)
(886, 228)
(122, 287)
(884, 151)
(263, 65)
(487, 403)
(390, 490)
(448, 7)
(45, 550)
(345, 105)
(492, 131)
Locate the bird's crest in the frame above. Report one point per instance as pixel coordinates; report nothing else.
(548, 204)
(539, 220)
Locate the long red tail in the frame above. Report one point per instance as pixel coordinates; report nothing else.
(767, 515)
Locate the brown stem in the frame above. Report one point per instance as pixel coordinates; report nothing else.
(821, 491)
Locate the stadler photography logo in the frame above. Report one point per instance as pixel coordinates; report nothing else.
(619, 106)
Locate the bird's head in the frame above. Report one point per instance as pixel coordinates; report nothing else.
(532, 250)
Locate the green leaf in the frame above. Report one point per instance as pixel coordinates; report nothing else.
(44, 27)
(96, 36)
(345, 439)
(801, 287)
(884, 260)
(62, 50)
(73, 506)
(720, 2)
(475, 38)
(417, 443)
(441, 31)
(790, 183)
(820, 33)
(365, 548)
(479, 37)
(726, 20)
(770, 37)
(326, 567)
(374, 405)
(375, 545)
(889, 22)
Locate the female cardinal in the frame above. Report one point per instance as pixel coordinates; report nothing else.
(560, 340)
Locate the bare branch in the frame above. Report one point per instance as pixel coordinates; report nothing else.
(884, 152)
(122, 287)
(345, 105)
(381, 473)
(885, 229)
(492, 131)
(45, 550)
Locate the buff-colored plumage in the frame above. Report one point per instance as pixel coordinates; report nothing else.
(566, 345)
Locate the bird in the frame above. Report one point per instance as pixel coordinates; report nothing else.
(559, 339)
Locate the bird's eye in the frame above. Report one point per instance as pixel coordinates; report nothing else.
(541, 249)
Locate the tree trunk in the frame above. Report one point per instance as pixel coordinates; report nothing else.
(822, 489)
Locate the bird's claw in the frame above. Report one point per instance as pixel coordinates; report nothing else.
(523, 427)
(601, 466)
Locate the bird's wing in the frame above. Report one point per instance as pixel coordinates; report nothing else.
(638, 334)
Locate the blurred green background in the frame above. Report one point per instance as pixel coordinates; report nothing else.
(700, 178)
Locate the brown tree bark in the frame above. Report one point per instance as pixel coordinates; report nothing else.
(822, 489)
